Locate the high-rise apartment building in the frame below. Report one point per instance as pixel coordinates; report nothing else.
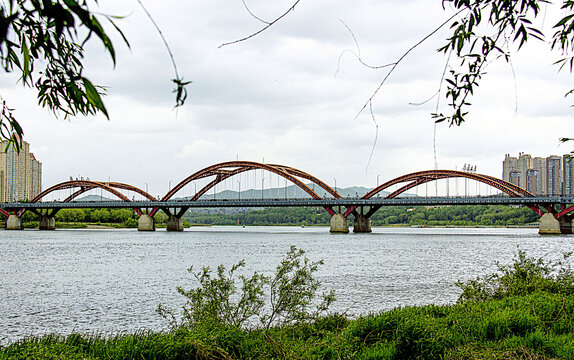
(539, 165)
(553, 175)
(554, 172)
(510, 171)
(567, 175)
(20, 173)
(525, 171)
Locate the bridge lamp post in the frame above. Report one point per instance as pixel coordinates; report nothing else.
(335, 185)
(239, 192)
(169, 186)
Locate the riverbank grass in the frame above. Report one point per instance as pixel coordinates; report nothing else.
(534, 326)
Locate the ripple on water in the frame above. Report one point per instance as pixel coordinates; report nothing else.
(109, 281)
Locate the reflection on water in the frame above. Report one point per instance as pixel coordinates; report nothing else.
(110, 281)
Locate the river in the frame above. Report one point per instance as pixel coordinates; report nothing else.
(111, 281)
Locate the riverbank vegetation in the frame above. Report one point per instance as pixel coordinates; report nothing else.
(86, 218)
(525, 310)
(462, 215)
(470, 215)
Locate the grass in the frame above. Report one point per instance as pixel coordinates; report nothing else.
(534, 326)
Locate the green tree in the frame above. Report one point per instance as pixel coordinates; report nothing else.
(70, 215)
(43, 40)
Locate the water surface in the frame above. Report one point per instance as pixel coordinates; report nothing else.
(111, 281)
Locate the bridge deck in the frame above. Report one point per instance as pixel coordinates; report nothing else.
(258, 203)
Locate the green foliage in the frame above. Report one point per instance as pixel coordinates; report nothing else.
(96, 216)
(482, 31)
(212, 303)
(270, 216)
(534, 326)
(506, 328)
(131, 223)
(463, 215)
(293, 289)
(524, 276)
(217, 301)
(43, 41)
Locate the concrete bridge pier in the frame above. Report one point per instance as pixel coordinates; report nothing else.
(362, 224)
(14, 223)
(549, 225)
(47, 222)
(339, 224)
(174, 223)
(146, 223)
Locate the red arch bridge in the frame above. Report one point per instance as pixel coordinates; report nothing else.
(556, 212)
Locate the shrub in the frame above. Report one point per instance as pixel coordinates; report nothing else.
(525, 275)
(217, 302)
(214, 302)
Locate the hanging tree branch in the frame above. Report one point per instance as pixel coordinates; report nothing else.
(292, 8)
(396, 63)
(180, 90)
(357, 55)
(252, 14)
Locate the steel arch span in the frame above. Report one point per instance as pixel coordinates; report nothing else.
(567, 211)
(421, 177)
(225, 170)
(87, 185)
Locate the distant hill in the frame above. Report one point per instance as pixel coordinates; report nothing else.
(93, 198)
(289, 192)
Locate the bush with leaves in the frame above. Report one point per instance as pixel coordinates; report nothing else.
(525, 275)
(293, 289)
(217, 301)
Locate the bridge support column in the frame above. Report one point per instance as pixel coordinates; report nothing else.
(339, 224)
(566, 225)
(549, 225)
(14, 223)
(146, 223)
(362, 224)
(174, 223)
(47, 223)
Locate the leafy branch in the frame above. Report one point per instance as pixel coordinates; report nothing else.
(217, 301)
(42, 41)
(506, 19)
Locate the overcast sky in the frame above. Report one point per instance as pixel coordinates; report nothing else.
(291, 96)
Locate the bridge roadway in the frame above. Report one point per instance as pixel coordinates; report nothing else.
(335, 202)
